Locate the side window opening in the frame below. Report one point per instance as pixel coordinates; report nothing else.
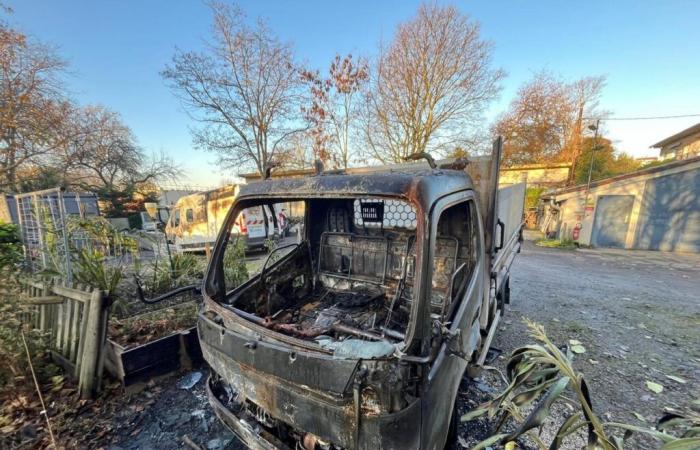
(189, 216)
(176, 218)
(454, 257)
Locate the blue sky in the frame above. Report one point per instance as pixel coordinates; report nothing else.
(649, 51)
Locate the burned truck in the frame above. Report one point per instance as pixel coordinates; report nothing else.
(356, 334)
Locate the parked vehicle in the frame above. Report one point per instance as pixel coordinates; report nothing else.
(256, 225)
(147, 223)
(196, 219)
(358, 334)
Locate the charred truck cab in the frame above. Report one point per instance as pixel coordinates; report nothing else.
(356, 336)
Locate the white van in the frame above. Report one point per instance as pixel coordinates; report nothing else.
(195, 221)
(256, 226)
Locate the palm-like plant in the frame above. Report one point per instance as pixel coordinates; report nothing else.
(539, 375)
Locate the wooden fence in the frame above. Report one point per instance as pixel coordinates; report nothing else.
(75, 320)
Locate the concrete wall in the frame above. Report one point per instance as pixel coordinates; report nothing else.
(573, 211)
(536, 175)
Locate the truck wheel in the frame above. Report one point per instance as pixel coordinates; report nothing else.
(506, 292)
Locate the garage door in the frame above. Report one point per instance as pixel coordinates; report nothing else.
(612, 219)
(670, 215)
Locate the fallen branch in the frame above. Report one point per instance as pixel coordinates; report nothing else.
(190, 443)
(38, 391)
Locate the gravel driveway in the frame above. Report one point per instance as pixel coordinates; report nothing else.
(636, 312)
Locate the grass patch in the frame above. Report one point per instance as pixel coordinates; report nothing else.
(566, 244)
(576, 327)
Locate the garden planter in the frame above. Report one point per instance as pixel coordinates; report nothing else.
(158, 357)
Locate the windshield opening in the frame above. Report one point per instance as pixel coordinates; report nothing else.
(343, 270)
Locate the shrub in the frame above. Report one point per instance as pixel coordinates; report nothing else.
(187, 269)
(10, 246)
(532, 196)
(235, 270)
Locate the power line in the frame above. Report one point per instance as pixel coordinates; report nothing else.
(680, 116)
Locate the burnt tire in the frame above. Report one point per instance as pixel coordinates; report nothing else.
(506, 292)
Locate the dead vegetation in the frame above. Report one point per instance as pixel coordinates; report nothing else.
(541, 374)
(147, 327)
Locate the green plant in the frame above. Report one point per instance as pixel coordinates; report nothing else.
(532, 196)
(538, 375)
(566, 244)
(92, 269)
(10, 247)
(235, 270)
(187, 268)
(100, 254)
(98, 233)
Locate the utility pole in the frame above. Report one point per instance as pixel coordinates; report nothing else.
(590, 166)
(576, 151)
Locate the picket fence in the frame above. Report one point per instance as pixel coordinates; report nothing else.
(74, 319)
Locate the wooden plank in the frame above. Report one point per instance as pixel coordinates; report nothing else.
(62, 361)
(67, 314)
(74, 331)
(75, 294)
(103, 341)
(49, 300)
(58, 343)
(65, 350)
(113, 360)
(35, 284)
(42, 317)
(52, 323)
(91, 346)
(82, 332)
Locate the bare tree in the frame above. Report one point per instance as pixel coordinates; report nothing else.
(103, 157)
(298, 152)
(32, 106)
(316, 114)
(244, 90)
(545, 120)
(431, 85)
(334, 107)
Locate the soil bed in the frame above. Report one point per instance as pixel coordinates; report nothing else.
(137, 330)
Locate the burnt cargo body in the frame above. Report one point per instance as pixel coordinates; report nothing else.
(357, 335)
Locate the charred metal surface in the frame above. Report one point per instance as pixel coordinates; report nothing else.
(422, 186)
(358, 337)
